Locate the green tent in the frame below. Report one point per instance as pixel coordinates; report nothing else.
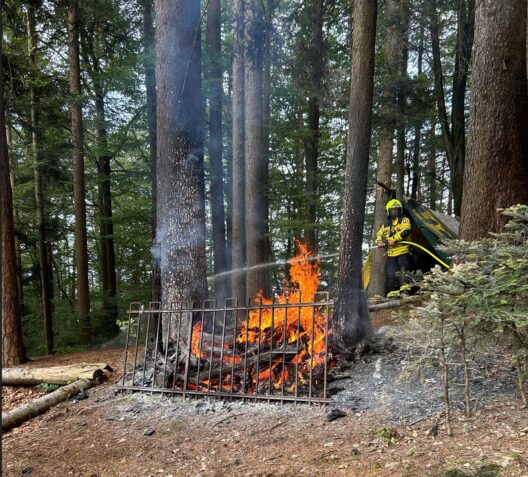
(428, 229)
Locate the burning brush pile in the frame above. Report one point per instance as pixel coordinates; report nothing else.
(272, 349)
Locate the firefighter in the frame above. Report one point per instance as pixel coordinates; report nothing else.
(395, 229)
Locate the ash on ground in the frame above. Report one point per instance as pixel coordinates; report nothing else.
(375, 382)
(371, 383)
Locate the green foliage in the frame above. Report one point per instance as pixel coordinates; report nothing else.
(47, 387)
(482, 300)
(111, 53)
(386, 434)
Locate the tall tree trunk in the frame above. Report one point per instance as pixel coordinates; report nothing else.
(391, 47)
(266, 101)
(417, 128)
(403, 23)
(179, 164)
(105, 212)
(149, 63)
(465, 34)
(44, 265)
(453, 134)
(257, 279)
(351, 323)
(216, 172)
(228, 164)
(432, 165)
(12, 347)
(15, 219)
(496, 174)
(238, 257)
(315, 73)
(79, 193)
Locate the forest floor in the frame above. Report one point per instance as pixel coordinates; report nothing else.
(109, 434)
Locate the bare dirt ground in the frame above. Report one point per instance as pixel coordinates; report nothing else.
(110, 435)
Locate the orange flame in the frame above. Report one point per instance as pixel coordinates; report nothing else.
(299, 329)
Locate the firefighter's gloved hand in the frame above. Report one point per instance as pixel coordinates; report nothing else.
(380, 244)
(392, 242)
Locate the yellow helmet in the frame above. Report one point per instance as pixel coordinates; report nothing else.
(393, 204)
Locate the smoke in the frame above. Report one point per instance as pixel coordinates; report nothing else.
(221, 275)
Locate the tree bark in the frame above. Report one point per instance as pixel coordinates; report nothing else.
(351, 322)
(179, 163)
(238, 254)
(79, 192)
(266, 101)
(496, 173)
(403, 39)
(417, 129)
(149, 63)
(12, 348)
(44, 266)
(432, 165)
(106, 224)
(315, 68)
(257, 279)
(54, 374)
(453, 134)
(18, 257)
(377, 284)
(216, 172)
(40, 405)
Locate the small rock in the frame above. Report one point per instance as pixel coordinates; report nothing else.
(148, 431)
(335, 414)
(81, 396)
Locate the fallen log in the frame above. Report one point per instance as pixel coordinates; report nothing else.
(40, 405)
(54, 375)
(385, 306)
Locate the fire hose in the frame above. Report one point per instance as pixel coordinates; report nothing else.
(441, 262)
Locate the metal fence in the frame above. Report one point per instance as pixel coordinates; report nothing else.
(268, 350)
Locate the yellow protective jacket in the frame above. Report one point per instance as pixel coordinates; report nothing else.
(398, 230)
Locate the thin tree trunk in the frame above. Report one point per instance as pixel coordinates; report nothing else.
(445, 372)
(496, 173)
(105, 213)
(238, 258)
(377, 285)
(228, 164)
(467, 381)
(15, 220)
(520, 379)
(401, 97)
(417, 129)
(432, 165)
(215, 149)
(351, 322)
(464, 45)
(44, 265)
(453, 134)
(315, 73)
(179, 164)
(256, 172)
(266, 101)
(81, 252)
(149, 63)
